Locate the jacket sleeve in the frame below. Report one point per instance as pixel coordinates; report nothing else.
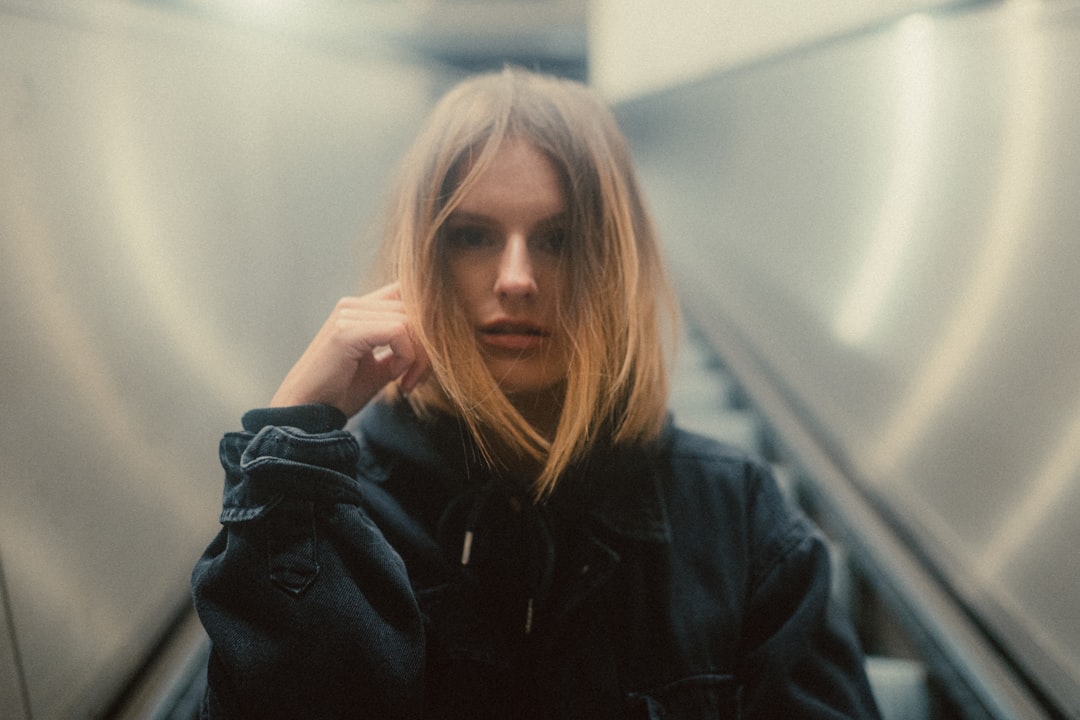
(308, 608)
(800, 655)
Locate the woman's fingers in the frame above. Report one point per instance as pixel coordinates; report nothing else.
(396, 348)
(364, 344)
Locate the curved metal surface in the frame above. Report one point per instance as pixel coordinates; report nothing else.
(889, 223)
(180, 205)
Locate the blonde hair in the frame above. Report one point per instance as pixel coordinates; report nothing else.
(617, 295)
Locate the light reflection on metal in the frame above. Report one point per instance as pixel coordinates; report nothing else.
(88, 378)
(905, 189)
(954, 402)
(179, 201)
(984, 291)
(148, 227)
(1048, 485)
(66, 593)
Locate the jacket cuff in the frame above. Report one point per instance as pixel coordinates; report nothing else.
(313, 419)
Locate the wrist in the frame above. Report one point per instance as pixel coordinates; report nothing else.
(309, 417)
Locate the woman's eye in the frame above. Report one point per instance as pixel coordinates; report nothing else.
(467, 236)
(553, 240)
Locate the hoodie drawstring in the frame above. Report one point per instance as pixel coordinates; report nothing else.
(479, 533)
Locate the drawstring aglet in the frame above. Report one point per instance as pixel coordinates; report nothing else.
(529, 617)
(466, 548)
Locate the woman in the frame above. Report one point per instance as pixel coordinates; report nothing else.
(511, 527)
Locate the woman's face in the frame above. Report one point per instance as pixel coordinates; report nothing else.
(505, 249)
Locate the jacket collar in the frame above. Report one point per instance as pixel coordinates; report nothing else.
(618, 487)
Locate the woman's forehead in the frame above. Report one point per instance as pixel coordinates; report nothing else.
(518, 174)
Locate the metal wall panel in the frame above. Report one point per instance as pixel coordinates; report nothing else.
(890, 222)
(12, 698)
(181, 203)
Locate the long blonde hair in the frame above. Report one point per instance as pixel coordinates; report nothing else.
(617, 303)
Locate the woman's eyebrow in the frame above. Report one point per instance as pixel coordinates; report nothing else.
(466, 216)
(469, 216)
(558, 218)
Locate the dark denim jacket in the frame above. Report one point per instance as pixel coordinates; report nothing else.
(386, 573)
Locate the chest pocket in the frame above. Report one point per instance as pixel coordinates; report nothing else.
(693, 698)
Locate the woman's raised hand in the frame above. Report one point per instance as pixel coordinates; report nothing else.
(364, 344)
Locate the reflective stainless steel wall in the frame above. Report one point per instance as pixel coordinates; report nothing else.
(890, 224)
(180, 205)
(889, 221)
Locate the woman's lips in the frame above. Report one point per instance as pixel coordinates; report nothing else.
(511, 335)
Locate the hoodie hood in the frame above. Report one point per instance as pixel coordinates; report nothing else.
(617, 486)
(442, 447)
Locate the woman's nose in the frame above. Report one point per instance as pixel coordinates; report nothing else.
(516, 277)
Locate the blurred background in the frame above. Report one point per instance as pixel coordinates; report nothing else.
(871, 211)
